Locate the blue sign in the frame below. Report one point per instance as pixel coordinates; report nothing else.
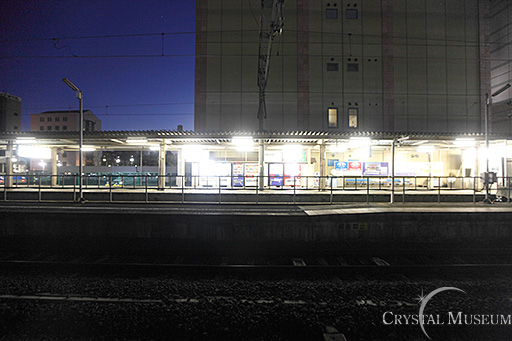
(341, 165)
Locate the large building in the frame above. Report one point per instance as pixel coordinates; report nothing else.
(372, 65)
(68, 120)
(62, 121)
(10, 112)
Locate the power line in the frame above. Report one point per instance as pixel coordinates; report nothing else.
(114, 106)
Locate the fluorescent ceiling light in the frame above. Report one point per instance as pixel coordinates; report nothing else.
(34, 152)
(88, 149)
(136, 140)
(425, 149)
(21, 140)
(243, 142)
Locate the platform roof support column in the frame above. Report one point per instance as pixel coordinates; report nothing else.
(181, 167)
(261, 163)
(8, 164)
(321, 182)
(54, 167)
(161, 167)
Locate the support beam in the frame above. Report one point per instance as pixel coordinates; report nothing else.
(54, 167)
(8, 164)
(161, 167)
(321, 183)
(261, 163)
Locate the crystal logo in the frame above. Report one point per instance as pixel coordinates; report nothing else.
(424, 301)
(448, 318)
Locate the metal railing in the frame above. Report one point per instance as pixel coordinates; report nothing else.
(184, 187)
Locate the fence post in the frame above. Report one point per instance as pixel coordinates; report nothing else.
(474, 189)
(219, 191)
(508, 185)
(257, 188)
(5, 186)
(367, 189)
(146, 187)
(294, 178)
(182, 189)
(403, 190)
(110, 188)
(39, 194)
(331, 191)
(438, 189)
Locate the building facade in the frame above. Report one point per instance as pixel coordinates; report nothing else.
(10, 112)
(373, 65)
(64, 121)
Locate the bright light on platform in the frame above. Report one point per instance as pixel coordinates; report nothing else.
(34, 152)
(136, 140)
(25, 140)
(464, 142)
(243, 143)
(425, 149)
(360, 141)
(88, 149)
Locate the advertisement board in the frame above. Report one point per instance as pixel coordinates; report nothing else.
(275, 173)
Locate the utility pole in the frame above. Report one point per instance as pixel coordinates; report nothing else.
(271, 27)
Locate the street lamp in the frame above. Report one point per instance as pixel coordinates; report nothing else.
(81, 127)
(488, 102)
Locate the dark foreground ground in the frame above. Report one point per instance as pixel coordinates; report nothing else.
(59, 306)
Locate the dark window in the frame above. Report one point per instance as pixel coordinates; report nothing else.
(49, 119)
(57, 119)
(64, 154)
(57, 127)
(353, 117)
(351, 13)
(332, 66)
(41, 119)
(15, 114)
(353, 67)
(41, 128)
(15, 127)
(64, 119)
(64, 127)
(49, 128)
(332, 117)
(64, 163)
(331, 13)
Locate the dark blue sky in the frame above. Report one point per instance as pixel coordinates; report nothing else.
(127, 73)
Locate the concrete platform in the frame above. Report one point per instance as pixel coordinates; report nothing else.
(260, 223)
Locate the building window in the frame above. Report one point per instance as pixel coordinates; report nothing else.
(64, 127)
(57, 127)
(332, 114)
(64, 154)
(15, 127)
(49, 128)
(331, 13)
(64, 163)
(41, 119)
(41, 127)
(351, 13)
(49, 119)
(332, 66)
(352, 67)
(64, 119)
(57, 119)
(16, 114)
(352, 117)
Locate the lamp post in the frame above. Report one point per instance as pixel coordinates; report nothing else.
(81, 128)
(488, 102)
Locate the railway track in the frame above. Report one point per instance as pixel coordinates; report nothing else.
(442, 261)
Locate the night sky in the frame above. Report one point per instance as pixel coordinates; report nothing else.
(118, 65)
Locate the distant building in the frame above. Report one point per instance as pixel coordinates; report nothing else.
(68, 120)
(62, 121)
(10, 112)
(390, 65)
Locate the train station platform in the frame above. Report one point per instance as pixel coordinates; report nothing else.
(351, 222)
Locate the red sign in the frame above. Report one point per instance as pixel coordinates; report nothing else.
(354, 166)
